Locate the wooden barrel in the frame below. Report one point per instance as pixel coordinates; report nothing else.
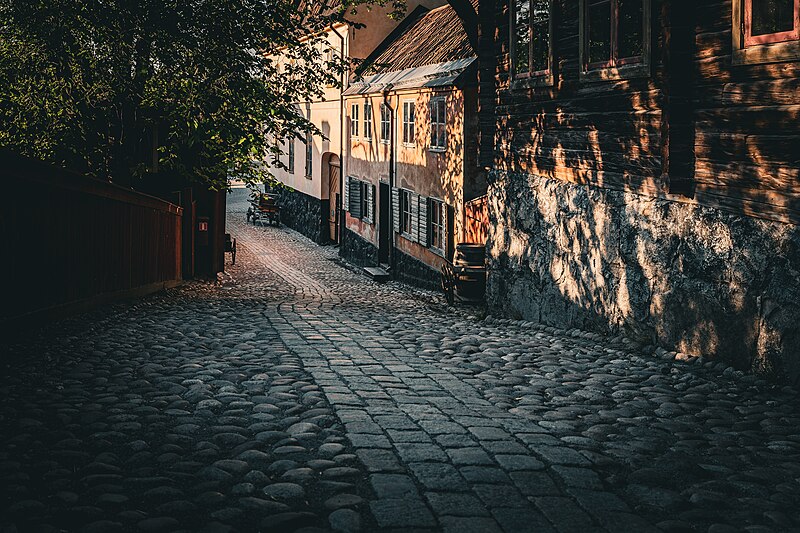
(469, 263)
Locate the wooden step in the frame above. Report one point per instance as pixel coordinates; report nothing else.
(377, 274)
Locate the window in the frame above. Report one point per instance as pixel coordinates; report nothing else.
(406, 220)
(615, 37)
(354, 120)
(408, 122)
(386, 123)
(436, 222)
(368, 120)
(438, 124)
(771, 21)
(766, 31)
(366, 208)
(309, 155)
(531, 31)
(291, 156)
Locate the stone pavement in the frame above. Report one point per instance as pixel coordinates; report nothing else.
(298, 394)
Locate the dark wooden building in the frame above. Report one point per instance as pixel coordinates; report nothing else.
(645, 161)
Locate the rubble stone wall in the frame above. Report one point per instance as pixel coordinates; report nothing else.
(358, 250)
(689, 278)
(305, 214)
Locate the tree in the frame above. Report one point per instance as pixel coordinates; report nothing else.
(100, 86)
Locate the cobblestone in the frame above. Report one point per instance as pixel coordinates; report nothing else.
(296, 393)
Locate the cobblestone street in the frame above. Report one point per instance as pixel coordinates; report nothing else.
(298, 394)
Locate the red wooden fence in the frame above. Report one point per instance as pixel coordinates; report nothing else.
(68, 239)
(476, 220)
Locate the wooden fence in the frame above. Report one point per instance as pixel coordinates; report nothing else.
(476, 220)
(70, 241)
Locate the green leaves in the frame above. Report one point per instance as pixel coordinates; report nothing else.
(99, 85)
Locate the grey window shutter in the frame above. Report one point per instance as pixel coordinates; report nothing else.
(449, 231)
(355, 198)
(396, 209)
(414, 217)
(422, 230)
(346, 199)
(370, 203)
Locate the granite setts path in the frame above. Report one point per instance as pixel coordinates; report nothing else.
(297, 395)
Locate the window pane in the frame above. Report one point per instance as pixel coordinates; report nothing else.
(540, 28)
(772, 16)
(599, 22)
(630, 28)
(522, 36)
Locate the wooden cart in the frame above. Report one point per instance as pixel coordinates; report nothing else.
(264, 208)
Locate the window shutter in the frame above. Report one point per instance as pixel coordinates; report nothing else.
(449, 231)
(370, 216)
(422, 230)
(396, 209)
(428, 224)
(414, 217)
(355, 198)
(346, 196)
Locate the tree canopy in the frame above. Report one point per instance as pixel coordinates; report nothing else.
(100, 86)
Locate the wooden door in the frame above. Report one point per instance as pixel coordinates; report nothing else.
(334, 173)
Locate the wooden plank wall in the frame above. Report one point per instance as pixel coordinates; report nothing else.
(68, 238)
(606, 133)
(747, 124)
(614, 134)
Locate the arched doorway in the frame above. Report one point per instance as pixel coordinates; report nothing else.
(334, 176)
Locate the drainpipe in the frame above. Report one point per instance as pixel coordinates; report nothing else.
(342, 212)
(392, 147)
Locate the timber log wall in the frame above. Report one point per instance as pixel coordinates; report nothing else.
(665, 205)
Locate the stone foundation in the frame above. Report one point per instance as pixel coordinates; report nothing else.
(689, 278)
(305, 214)
(358, 250)
(410, 270)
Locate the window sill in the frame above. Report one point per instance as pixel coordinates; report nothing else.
(545, 79)
(767, 53)
(385, 141)
(437, 251)
(437, 149)
(309, 177)
(625, 72)
(409, 145)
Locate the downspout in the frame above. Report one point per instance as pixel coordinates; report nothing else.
(392, 132)
(340, 207)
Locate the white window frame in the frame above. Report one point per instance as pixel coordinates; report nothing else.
(441, 225)
(354, 113)
(405, 209)
(368, 120)
(409, 126)
(386, 123)
(290, 151)
(435, 103)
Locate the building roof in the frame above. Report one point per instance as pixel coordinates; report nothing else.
(437, 75)
(316, 8)
(433, 37)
